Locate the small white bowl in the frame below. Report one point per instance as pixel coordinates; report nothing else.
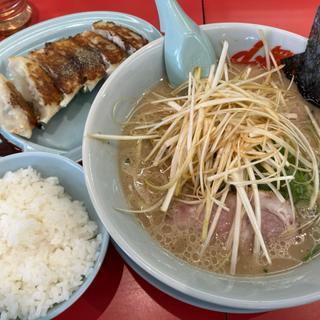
(135, 76)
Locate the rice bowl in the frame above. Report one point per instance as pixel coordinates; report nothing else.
(51, 242)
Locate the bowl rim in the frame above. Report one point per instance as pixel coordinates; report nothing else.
(133, 254)
(105, 238)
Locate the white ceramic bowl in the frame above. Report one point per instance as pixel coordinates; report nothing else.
(132, 78)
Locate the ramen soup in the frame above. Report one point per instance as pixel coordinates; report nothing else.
(223, 171)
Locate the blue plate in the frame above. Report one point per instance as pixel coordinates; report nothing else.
(63, 134)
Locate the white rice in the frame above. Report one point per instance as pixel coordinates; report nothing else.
(47, 244)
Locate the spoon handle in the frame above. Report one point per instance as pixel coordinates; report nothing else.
(173, 18)
(186, 46)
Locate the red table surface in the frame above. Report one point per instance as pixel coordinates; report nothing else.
(145, 9)
(295, 16)
(118, 292)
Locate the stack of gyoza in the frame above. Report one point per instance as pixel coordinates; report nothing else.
(48, 78)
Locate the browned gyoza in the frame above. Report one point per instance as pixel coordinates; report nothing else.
(36, 86)
(88, 60)
(64, 71)
(50, 77)
(112, 54)
(71, 66)
(125, 38)
(16, 114)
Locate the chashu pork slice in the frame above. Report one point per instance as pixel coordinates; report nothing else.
(64, 71)
(276, 218)
(16, 114)
(125, 38)
(89, 61)
(112, 54)
(36, 87)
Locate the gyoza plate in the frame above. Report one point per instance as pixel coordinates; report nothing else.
(63, 134)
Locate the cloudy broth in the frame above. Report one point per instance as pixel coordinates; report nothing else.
(286, 252)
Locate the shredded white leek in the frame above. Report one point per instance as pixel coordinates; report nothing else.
(222, 134)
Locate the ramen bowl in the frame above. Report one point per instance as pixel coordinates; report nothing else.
(229, 293)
